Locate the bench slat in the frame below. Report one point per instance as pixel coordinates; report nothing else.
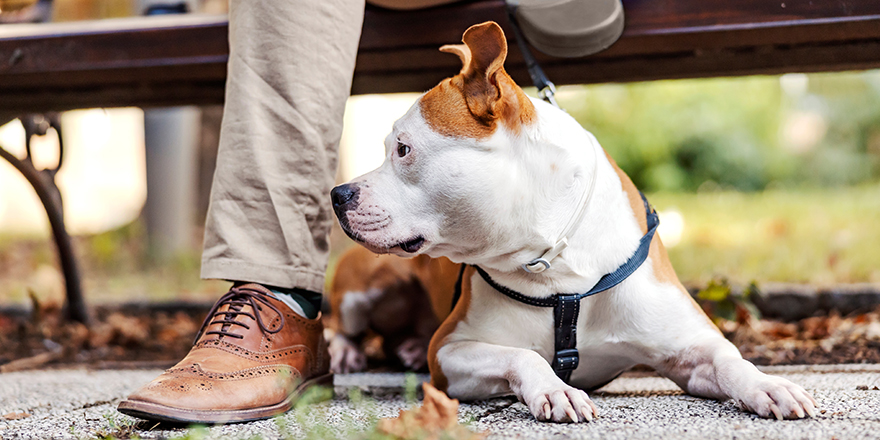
(166, 60)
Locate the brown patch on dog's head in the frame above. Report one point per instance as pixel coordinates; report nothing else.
(473, 103)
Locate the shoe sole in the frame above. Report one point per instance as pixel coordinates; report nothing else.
(163, 413)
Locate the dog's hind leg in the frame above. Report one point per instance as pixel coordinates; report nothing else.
(346, 355)
(717, 370)
(476, 370)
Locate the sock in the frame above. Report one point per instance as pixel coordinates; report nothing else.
(304, 302)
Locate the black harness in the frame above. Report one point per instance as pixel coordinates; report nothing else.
(566, 306)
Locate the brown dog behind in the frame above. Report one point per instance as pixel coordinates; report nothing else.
(401, 300)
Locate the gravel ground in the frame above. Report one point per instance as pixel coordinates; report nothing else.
(77, 404)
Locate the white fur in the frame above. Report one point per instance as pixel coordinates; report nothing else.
(503, 201)
(354, 311)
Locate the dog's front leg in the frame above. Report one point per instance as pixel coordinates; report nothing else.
(717, 370)
(477, 370)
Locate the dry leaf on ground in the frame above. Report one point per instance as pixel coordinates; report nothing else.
(436, 418)
(15, 416)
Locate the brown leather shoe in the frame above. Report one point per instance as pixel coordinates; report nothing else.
(253, 359)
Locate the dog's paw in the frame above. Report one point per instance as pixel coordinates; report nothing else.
(775, 397)
(345, 355)
(562, 404)
(413, 353)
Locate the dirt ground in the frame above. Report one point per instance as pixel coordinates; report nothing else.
(157, 335)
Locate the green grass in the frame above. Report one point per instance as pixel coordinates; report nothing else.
(813, 236)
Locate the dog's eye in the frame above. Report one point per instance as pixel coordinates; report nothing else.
(402, 149)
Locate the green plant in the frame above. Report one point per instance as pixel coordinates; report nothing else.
(721, 301)
(116, 428)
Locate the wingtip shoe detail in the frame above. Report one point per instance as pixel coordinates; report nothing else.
(253, 359)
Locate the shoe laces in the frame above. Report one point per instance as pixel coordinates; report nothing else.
(237, 298)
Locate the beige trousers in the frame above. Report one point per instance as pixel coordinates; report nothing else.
(289, 75)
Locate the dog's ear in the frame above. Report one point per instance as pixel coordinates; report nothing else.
(490, 93)
(488, 49)
(463, 53)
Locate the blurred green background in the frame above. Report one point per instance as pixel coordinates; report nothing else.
(744, 134)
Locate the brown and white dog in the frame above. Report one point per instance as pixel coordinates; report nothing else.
(478, 172)
(401, 300)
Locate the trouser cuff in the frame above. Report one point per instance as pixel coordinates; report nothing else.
(285, 277)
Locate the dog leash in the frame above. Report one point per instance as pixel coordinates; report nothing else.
(546, 88)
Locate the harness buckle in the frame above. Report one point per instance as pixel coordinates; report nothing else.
(566, 360)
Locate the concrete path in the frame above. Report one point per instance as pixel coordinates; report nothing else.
(77, 404)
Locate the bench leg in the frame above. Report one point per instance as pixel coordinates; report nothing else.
(43, 182)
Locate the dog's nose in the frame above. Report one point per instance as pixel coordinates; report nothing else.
(342, 195)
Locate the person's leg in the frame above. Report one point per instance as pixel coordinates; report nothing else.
(290, 72)
(289, 75)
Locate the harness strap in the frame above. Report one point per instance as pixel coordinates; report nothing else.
(566, 306)
(627, 268)
(549, 301)
(565, 315)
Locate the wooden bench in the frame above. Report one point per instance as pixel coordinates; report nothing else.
(175, 60)
(164, 60)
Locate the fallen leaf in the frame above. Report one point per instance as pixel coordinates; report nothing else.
(779, 330)
(436, 418)
(178, 327)
(820, 327)
(15, 416)
(128, 329)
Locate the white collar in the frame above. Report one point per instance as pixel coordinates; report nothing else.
(543, 262)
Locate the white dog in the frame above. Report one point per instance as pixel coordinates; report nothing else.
(478, 172)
